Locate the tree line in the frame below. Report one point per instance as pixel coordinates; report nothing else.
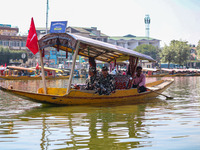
(178, 52)
(6, 55)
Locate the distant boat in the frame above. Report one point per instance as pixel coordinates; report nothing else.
(22, 73)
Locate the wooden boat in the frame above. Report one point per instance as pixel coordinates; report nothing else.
(151, 72)
(17, 73)
(102, 51)
(54, 73)
(12, 73)
(83, 97)
(180, 72)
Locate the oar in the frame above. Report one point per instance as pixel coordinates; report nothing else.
(168, 97)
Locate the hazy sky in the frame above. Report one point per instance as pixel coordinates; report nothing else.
(170, 19)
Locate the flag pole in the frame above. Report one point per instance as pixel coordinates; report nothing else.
(43, 75)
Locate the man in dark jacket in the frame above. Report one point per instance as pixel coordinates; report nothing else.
(106, 82)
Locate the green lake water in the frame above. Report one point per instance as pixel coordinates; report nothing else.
(154, 125)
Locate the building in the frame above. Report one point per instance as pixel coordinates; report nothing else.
(128, 41)
(9, 38)
(131, 42)
(92, 33)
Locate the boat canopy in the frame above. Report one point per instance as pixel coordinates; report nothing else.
(89, 47)
(20, 68)
(51, 69)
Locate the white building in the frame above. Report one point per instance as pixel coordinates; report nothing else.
(131, 42)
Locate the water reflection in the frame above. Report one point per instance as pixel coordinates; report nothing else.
(81, 127)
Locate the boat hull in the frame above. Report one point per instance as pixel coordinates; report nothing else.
(32, 78)
(77, 97)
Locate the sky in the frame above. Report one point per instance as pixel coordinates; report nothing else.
(170, 19)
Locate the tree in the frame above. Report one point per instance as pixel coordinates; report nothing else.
(167, 55)
(177, 52)
(182, 50)
(148, 50)
(198, 49)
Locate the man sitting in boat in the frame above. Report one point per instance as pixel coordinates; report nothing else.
(90, 82)
(139, 80)
(106, 82)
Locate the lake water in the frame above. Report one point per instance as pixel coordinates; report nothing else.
(158, 124)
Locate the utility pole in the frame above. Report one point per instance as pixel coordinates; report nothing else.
(47, 16)
(47, 13)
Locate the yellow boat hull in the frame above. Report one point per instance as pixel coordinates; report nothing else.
(32, 78)
(77, 97)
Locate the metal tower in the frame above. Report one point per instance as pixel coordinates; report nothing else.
(147, 23)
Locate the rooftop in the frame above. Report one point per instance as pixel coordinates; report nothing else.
(131, 37)
(88, 30)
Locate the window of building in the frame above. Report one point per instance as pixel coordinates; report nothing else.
(6, 43)
(105, 40)
(17, 43)
(23, 44)
(13, 43)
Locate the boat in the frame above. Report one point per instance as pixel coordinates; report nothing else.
(96, 50)
(151, 72)
(22, 73)
(180, 72)
(165, 72)
(17, 73)
(54, 73)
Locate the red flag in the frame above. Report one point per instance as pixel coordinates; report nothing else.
(5, 65)
(32, 40)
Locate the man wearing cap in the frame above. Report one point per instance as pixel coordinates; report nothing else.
(92, 80)
(106, 81)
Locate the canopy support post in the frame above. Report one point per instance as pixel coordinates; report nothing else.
(43, 74)
(72, 69)
(135, 66)
(132, 70)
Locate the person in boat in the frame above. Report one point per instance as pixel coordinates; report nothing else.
(139, 80)
(90, 82)
(106, 82)
(124, 72)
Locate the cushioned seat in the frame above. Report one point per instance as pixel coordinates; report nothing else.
(121, 81)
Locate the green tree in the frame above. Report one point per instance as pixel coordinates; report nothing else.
(198, 49)
(177, 52)
(149, 50)
(182, 50)
(167, 55)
